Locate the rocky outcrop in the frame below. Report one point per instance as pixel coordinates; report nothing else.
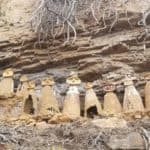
(98, 53)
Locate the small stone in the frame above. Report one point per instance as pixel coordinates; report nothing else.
(3, 147)
(113, 122)
(42, 125)
(59, 118)
(131, 141)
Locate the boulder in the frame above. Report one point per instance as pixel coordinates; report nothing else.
(113, 122)
(132, 140)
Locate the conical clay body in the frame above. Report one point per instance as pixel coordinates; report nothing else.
(48, 103)
(91, 100)
(147, 95)
(132, 100)
(22, 89)
(72, 103)
(7, 87)
(112, 104)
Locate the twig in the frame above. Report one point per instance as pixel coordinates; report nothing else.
(146, 138)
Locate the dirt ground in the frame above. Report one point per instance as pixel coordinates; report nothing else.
(78, 135)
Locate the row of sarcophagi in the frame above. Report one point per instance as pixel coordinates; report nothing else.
(48, 104)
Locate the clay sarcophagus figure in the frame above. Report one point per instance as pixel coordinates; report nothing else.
(23, 86)
(132, 100)
(147, 95)
(7, 84)
(30, 101)
(92, 104)
(72, 100)
(112, 104)
(48, 104)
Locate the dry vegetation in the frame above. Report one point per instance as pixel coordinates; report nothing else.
(53, 18)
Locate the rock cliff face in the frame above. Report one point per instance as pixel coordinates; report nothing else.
(105, 50)
(100, 52)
